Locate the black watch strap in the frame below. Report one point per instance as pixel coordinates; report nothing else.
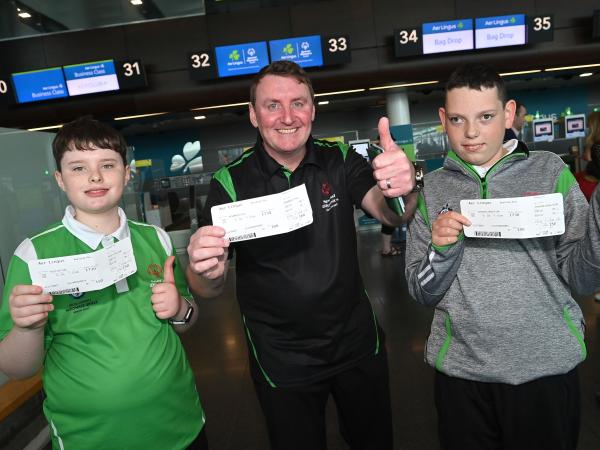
(187, 317)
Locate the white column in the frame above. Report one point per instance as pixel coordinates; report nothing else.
(397, 106)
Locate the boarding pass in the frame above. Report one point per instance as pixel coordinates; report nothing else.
(264, 216)
(514, 218)
(86, 272)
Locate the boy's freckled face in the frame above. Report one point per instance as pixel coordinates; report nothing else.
(475, 121)
(93, 180)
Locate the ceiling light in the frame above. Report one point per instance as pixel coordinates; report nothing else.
(138, 116)
(24, 15)
(420, 83)
(521, 72)
(553, 69)
(586, 74)
(199, 117)
(323, 102)
(50, 127)
(351, 91)
(229, 105)
(136, 2)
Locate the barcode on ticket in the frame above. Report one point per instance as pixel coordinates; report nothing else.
(488, 233)
(241, 237)
(65, 291)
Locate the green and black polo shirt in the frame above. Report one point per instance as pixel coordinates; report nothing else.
(306, 313)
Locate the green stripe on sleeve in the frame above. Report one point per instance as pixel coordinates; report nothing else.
(575, 332)
(444, 349)
(565, 181)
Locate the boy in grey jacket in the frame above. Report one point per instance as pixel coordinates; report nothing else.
(506, 335)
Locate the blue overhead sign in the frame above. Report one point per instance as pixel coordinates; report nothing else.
(39, 85)
(500, 31)
(448, 36)
(304, 51)
(241, 59)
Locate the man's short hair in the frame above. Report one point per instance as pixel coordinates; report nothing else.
(86, 133)
(477, 76)
(281, 69)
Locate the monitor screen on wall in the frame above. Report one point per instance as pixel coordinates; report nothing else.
(500, 31)
(37, 85)
(575, 126)
(91, 77)
(241, 59)
(304, 51)
(543, 130)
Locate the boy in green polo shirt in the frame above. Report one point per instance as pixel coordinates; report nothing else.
(115, 373)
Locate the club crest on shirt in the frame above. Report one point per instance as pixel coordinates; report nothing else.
(155, 270)
(331, 200)
(77, 294)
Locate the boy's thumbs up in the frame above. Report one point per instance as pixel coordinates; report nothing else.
(168, 276)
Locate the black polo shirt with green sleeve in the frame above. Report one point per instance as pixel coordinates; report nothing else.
(303, 303)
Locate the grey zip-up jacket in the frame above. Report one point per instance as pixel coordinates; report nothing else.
(503, 307)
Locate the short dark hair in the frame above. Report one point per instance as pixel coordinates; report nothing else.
(476, 76)
(86, 133)
(281, 69)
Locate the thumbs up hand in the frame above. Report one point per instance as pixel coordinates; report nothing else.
(392, 169)
(165, 298)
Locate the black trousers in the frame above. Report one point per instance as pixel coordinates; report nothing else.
(296, 416)
(539, 415)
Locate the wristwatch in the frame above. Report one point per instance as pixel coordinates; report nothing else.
(419, 176)
(188, 315)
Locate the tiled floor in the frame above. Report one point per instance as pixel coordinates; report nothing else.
(217, 350)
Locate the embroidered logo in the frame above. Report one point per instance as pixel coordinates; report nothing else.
(325, 189)
(155, 270)
(446, 208)
(77, 294)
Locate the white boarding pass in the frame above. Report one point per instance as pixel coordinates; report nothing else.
(515, 218)
(85, 272)
(264, 216)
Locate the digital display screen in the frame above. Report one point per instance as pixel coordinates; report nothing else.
(543, 130)
(91, 77)
(575, 126)
(500, 31)
(448, 36)
(241, 59)
(39, 85)
(304, 51)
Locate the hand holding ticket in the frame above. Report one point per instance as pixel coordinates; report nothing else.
(85, 272)
(515, 218)
(264, 216)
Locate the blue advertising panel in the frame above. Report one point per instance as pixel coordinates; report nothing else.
(304, 51)
(500, 31)
(448, 36)
(39, 85)
(91, 77)
(241, 59)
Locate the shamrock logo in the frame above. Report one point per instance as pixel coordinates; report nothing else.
(460, 25)
(234, 55)
(288, 49)
(513, 19)
(190, 161)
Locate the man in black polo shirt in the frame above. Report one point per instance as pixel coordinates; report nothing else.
(309, 325)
